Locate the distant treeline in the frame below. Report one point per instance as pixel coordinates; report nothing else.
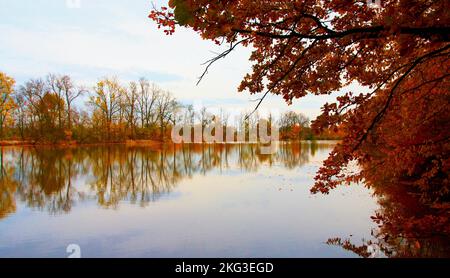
(44, 110)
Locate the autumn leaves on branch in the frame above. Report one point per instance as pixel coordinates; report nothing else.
(399, 132)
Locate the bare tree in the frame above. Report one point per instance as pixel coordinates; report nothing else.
(131, 101)
(166, 107)
(71, 93)
(224, 117)
(290, 119)
(56, 87)
(204, 117)
(147, 102)
(66, 90)
(189, 115)
(20, 113)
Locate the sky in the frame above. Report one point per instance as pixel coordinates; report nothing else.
(91, 39)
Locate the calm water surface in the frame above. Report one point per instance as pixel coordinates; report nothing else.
(184, 201)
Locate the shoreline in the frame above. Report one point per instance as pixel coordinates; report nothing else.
(131, 143)
(18, 143)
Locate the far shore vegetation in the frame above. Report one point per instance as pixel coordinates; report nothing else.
(56, 111)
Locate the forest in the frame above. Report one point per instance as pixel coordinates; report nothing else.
(55, 110)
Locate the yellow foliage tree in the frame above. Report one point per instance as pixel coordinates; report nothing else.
(6, 100)
(107, 99)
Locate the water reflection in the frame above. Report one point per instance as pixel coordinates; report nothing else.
(57, 179)
(406, 227)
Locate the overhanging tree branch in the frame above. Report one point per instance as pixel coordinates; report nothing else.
(431, 33)
(210, 62)
(390, 98)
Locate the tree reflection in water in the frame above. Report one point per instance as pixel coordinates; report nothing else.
(407, 227)
(56, 180)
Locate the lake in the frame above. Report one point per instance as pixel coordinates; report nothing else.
(182, 201)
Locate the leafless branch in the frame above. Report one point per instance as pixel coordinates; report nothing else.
(210, 62)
